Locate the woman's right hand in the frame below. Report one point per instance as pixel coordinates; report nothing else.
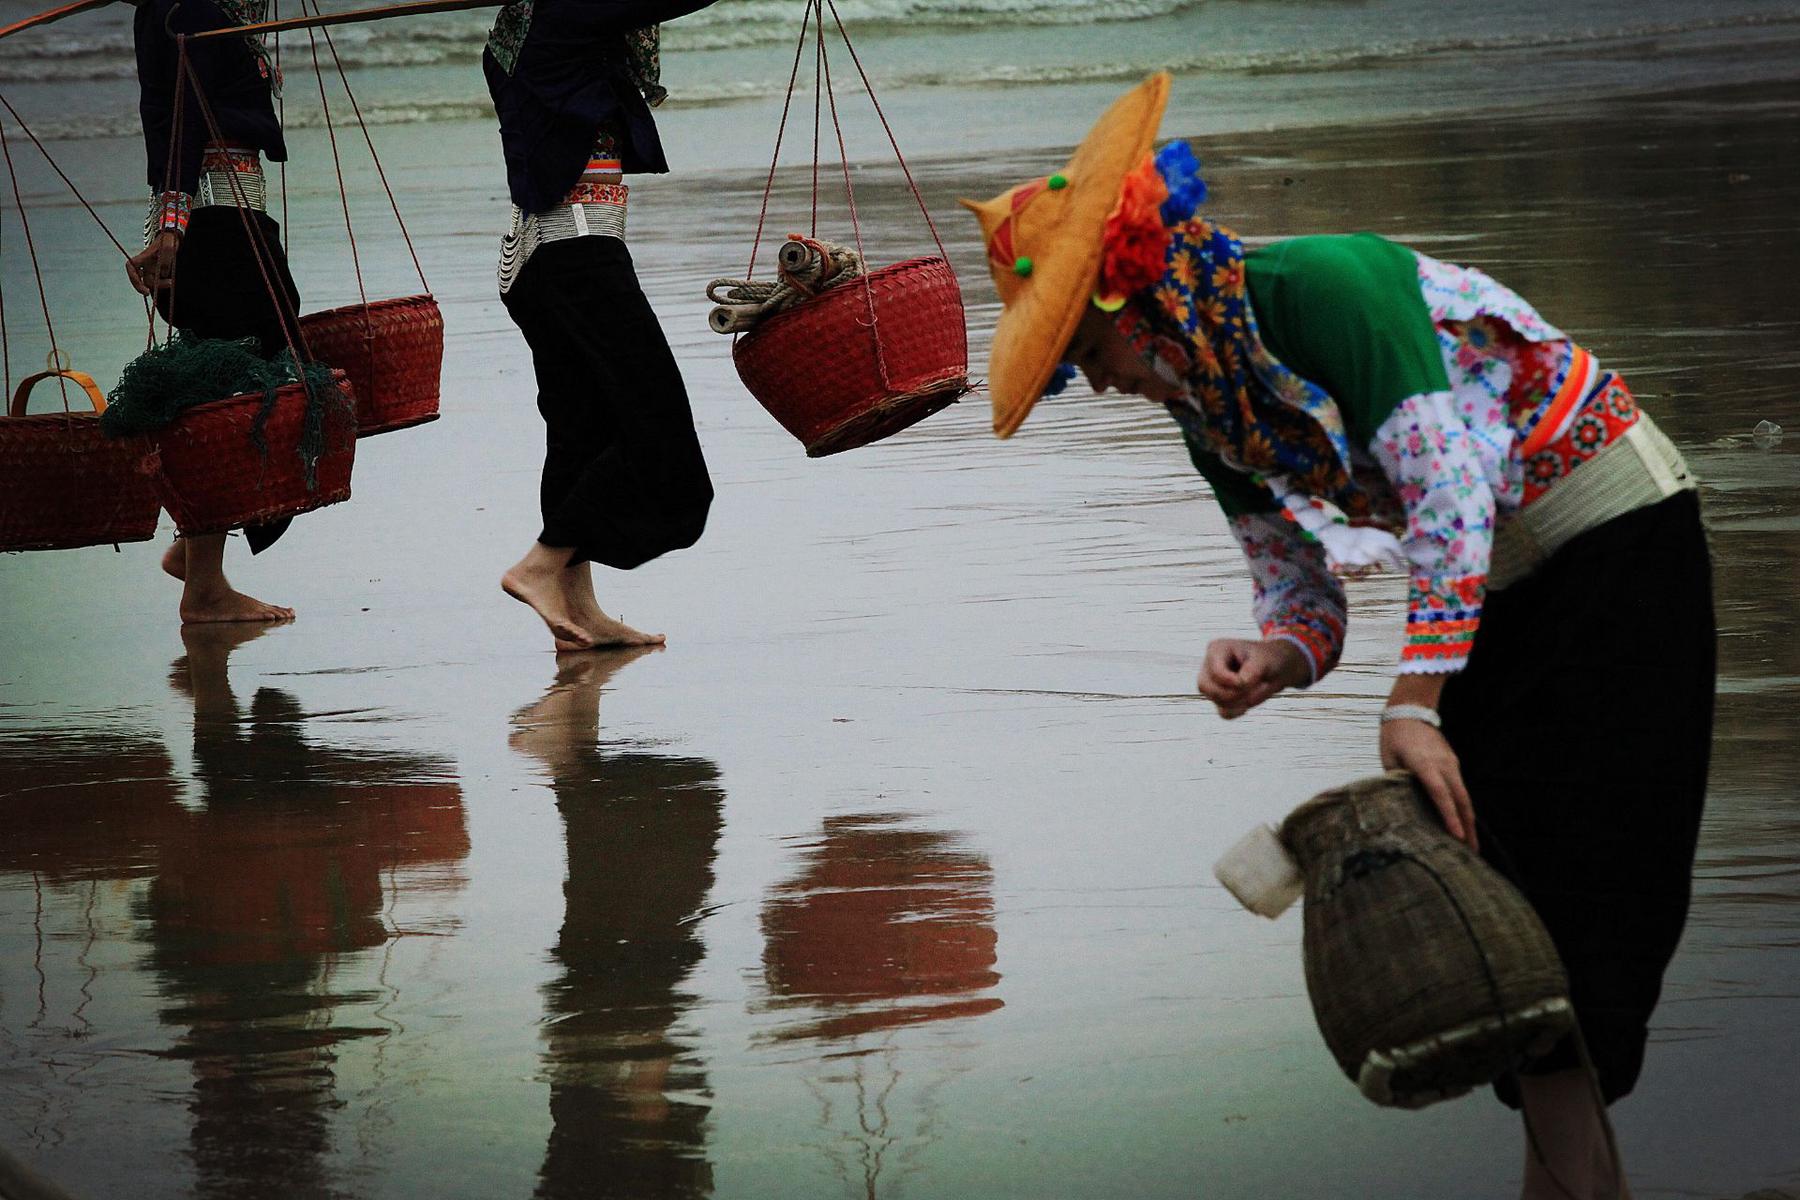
(1238, 674)
(153, 269)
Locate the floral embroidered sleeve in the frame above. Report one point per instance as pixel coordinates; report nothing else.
(1428, 453)
(1297, 599)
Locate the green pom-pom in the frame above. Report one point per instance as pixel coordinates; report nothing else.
(1058, 182)
(1022, 266)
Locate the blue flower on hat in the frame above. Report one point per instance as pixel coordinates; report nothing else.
(1180, 170)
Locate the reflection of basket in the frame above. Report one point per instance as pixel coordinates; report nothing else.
(837, 379)
(212, 476)
(63, 483)
(393, 351)
(1429, 973)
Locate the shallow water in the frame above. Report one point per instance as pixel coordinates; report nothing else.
(890, 877)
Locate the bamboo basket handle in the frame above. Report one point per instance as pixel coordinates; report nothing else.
(80, 379)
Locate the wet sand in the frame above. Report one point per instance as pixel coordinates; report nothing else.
(890, 876)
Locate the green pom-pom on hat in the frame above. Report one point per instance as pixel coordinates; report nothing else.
(1058, 182)
(1022, 266)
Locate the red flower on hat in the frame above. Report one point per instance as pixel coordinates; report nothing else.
(1135, 243)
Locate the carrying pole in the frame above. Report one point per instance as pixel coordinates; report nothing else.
(355, 17)
(55, 14)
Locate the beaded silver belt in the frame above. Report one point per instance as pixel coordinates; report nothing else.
(601, 216)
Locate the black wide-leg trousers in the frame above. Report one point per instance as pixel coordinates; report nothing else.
(221, 292)
(1584, 727)
(624, 479)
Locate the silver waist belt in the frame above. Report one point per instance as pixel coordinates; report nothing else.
(216, 190)
(1639, 469)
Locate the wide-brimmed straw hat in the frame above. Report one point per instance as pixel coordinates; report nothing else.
(1044, 249)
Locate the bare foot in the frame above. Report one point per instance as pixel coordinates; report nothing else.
(578, 593)
(205, 606)
(536, 580)
(174, 560)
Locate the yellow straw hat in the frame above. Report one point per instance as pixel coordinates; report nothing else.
(1044, 246)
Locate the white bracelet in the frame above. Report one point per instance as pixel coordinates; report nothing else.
(1412, 712)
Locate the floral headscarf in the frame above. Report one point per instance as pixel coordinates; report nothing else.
(1195, 319)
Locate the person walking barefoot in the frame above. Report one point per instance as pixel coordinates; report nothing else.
(624, 480)
(195, 233)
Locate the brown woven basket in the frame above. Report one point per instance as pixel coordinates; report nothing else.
(212, 476)
(837, 380)
(1429, 973)
(65, 484)
(393, 352)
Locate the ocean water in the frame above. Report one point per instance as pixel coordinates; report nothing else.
(956, 66)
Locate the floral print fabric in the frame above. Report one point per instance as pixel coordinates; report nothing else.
(1237, 400)
(1450, 469)
(1296, 598)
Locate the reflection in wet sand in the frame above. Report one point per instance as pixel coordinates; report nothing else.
(626, 1096)
(286, 868)
(253, 896)
(886, 925)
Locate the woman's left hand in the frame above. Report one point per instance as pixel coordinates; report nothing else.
(1418, 747)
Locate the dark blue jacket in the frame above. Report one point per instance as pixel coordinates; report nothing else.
(569, 81)
(230, 76)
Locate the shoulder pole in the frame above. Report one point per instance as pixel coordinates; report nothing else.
(357, 16)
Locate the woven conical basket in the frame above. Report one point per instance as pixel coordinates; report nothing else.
(1429, 973)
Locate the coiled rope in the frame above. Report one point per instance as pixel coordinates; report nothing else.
(805, 267)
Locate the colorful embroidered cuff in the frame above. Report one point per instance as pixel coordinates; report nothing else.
(1319, 635)
(1442, 615)
(172, 212)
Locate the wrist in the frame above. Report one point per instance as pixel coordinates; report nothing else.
(1294, 666)
(1411, 712)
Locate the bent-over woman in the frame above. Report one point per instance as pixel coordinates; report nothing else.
(1352, 403)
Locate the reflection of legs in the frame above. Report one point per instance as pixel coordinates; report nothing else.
(565, 721)
(207, 596)
(202, 671)
(1564, 1115)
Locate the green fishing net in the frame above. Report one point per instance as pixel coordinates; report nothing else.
(158, 385)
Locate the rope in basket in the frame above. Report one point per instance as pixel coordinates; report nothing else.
(805, 268)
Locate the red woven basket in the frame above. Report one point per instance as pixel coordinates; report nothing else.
(65, 484)
(393, 352)
(837, 380)
(212, 476)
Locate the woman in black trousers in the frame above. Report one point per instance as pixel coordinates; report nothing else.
(624, 479)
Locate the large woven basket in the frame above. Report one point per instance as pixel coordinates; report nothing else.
(1429, 973)
(393, 352)
(837, 379)
(65, 484)
(212, 476)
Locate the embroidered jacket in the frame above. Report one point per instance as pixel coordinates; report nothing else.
(1461, 405)
(559, 70)
(234, 75)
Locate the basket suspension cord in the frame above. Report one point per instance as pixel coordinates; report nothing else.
(369, 141)
(264, 256)
(37, 143)
(281, 120)
(888, 129)
(57, 361)
(780, 132)
(337, 163)
(850, 193)
(5, 339)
